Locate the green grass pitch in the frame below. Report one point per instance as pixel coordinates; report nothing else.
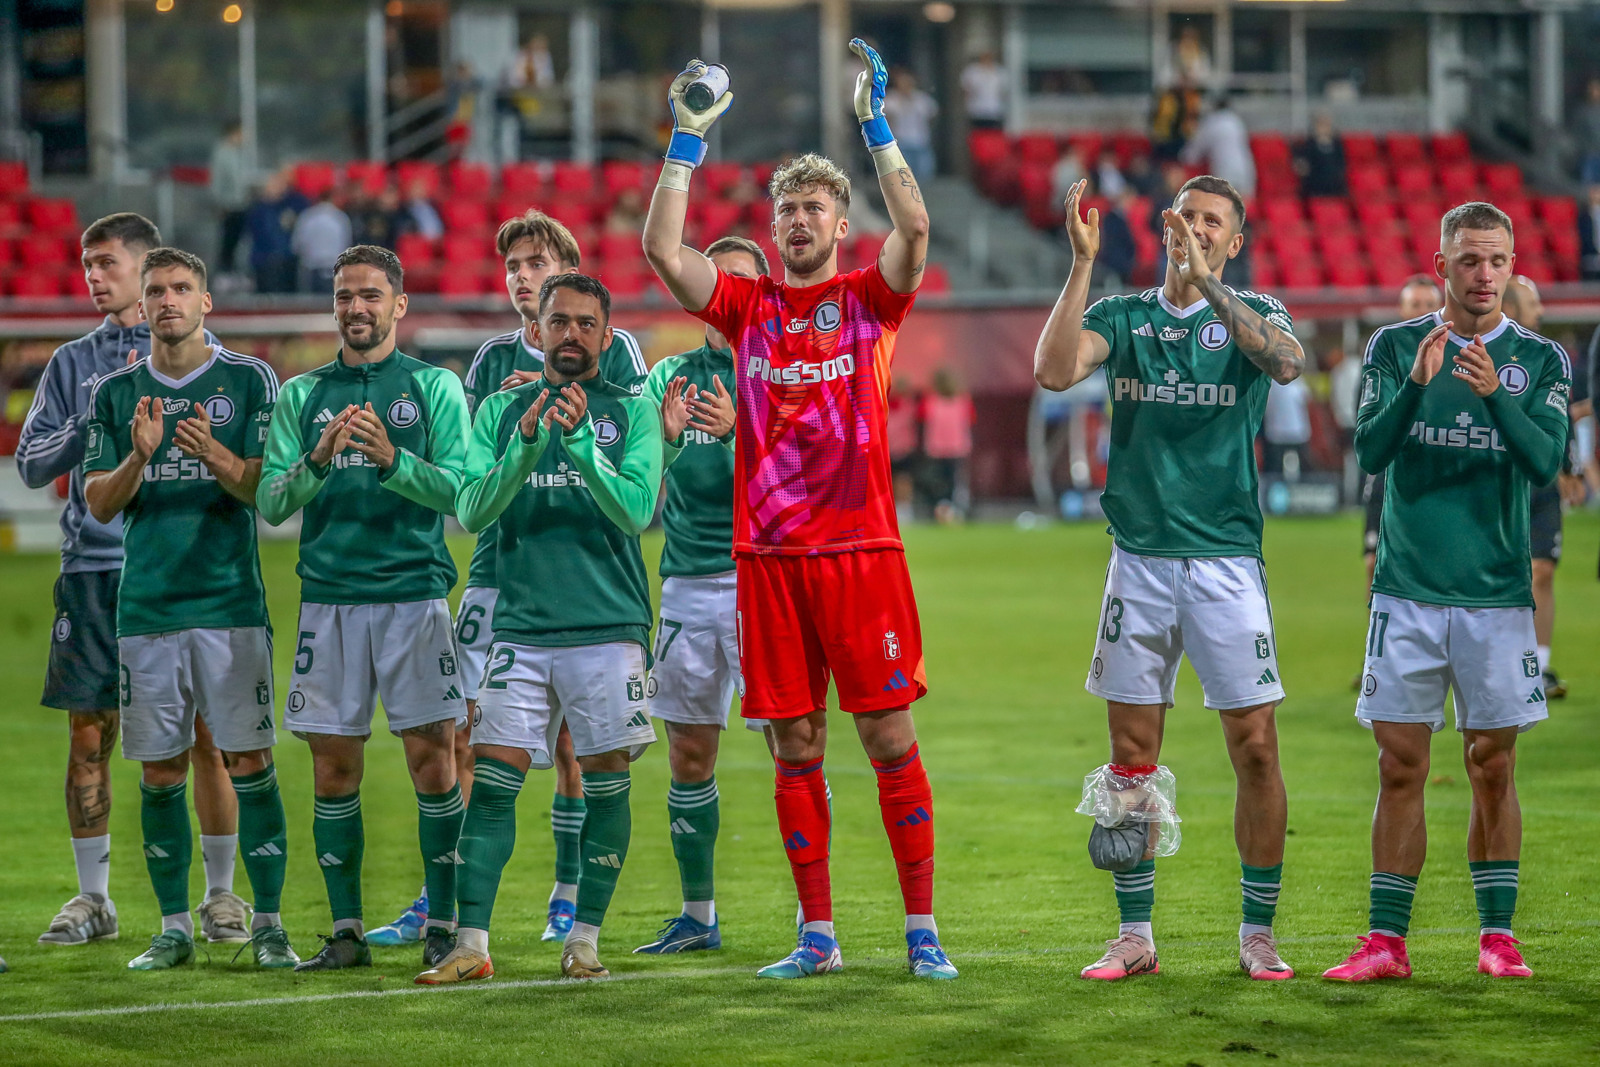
(1007, 734)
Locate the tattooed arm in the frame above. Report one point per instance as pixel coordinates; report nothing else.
(905, 253)
(1266, 344)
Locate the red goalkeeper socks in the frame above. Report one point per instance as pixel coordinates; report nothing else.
(802, 796)
(907, 803)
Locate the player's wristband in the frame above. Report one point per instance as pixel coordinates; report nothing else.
(875, 131)
(318, 470)
(686, 148)
(675, 176)
(888, 159)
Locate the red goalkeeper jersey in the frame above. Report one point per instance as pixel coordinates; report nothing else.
(812, 465)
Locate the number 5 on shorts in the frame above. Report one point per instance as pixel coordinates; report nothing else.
(304, 657)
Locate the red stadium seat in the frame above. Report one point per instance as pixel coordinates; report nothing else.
(619, 174)
(1385, 246)
(718, 218)
(936, 280)
(1531, 241)
(370, 177)
(1413, 179)
(1458, 181)
(1264, 271)
(1422, 215)
(1300, 273)
(423, 278)
(521, 180)
(1128, 146)
(1451, 148)
(35, 282)
(1502, 179)
(1280, 210)
(718, 178)
(1290, 245)
(1328, 211)
(414, 250)
(1361, 148)
(1391, 273)
(1366, 180)
(413, 172)
(509, 206)
(1518, 207)
(1557, 211)
(44, 250)
(461, 248)
(1404, 148)
(1038, 148)
(1348, 274)
(623, 279)
(459, 280)
(54, 215)
(314, 178)
(619, 247)
(1373, 212)
(987, 147)
(464, 216)
(470, 180)
(13, 179)
(1563, 243)
(1338, 244)
(1277, 183)
(1271, 151)
(1424, 243)
(572, 179)
(1089, 145)
(1537, 268)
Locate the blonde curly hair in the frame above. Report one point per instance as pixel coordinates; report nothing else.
(808, 172)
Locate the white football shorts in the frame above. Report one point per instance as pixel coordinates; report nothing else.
(348, 656)
(1157, 610)
(697, 651)
(474, 634)
(1416, 653)
(527, 691)
(165, 680)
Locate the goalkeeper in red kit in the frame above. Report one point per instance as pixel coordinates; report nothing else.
(823, 589)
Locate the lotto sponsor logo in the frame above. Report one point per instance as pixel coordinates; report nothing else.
(1462, 435)
(1173, 391)
(171, 405)
(828, 370)
(177, 467)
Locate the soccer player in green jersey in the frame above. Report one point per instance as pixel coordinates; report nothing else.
(570, 466)
(1466, 410)
(697, 646)
(533, 246)
(371, 447)
(1189, 365)
(174, 445)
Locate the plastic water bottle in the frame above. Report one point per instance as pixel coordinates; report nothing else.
(707, 89)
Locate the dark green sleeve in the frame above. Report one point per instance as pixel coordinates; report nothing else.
(1535, 436)
(491, 480)
(288, 478)
(1389, 402)
(1102, 318)
(101, 450)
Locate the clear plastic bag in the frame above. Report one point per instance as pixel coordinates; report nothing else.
(1114, 800)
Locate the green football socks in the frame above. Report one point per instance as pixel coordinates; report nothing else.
(487, 837)
(566, 823)
(692, 810)
(1259, 887)
(263, 836)
(439, 817)
(168, 843)
(1494, 883)
(607, 827)
(1136, 891)
(337, 832)
(1391, 897)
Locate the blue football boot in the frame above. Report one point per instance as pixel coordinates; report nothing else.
(560, 924)
(815, 954)
(682, 933)
(926, 958)
(405, 930)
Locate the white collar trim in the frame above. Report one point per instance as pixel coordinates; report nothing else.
(179, 383)
(1463, 342)
(1175, 310)
(522, 339)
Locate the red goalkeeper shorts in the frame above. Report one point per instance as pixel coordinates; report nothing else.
(851, 616)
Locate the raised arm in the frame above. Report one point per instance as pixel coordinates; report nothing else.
(1268, 346)
(1066, 353)
(905, 253)
(688, 275)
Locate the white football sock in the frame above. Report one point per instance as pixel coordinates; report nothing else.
(1142, 929)
(703, 912)
(584, 932)
(93, 858)
(476, 940)
(1246, 929)
(1544, 658)
(922, 922)
(181, 921)
(823, 928)
(263, 919)
(217, 852)
(350, 924)
(564, 891)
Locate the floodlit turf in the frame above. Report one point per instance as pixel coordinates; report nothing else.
(1007, 735)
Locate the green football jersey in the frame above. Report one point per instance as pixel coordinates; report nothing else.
(369, 536)
(191, 545)
(1185, 407)
(1454, 530)
(567, 509)
(621, 364)
(698, 516)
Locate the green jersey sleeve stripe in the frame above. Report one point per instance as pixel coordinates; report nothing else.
(268, 377)
(634, 352)
(471, 381)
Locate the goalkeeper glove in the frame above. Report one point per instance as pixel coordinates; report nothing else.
(871, 85)
(689, 127)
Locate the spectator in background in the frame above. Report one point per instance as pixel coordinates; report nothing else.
(1118, 251)
(1108, 179)
(1067, 172)
(1344, 383)
(1587, 134)
(983, 85)
(911, 112)
(947, 418)
(1173, 120)
(1589, 234)
(418, 215)
(320, 233)
(376, 221)
(1287, 428)
(904, 435)
(1319, 160)
(270, 223)
(1222, 144)
(1143, 177)
(1192, 58)
(627, 213)
(230, 192)
(534, 67)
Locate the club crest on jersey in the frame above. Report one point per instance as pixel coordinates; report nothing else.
(63, 629)
(606, 432)
(1369, 685)
(403, 413)
(1515, 378)
(218, 408)
(1172, 333)
(297, 702)
(1213, 336)
(827, 316)
(171, 405)
(891, 645)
